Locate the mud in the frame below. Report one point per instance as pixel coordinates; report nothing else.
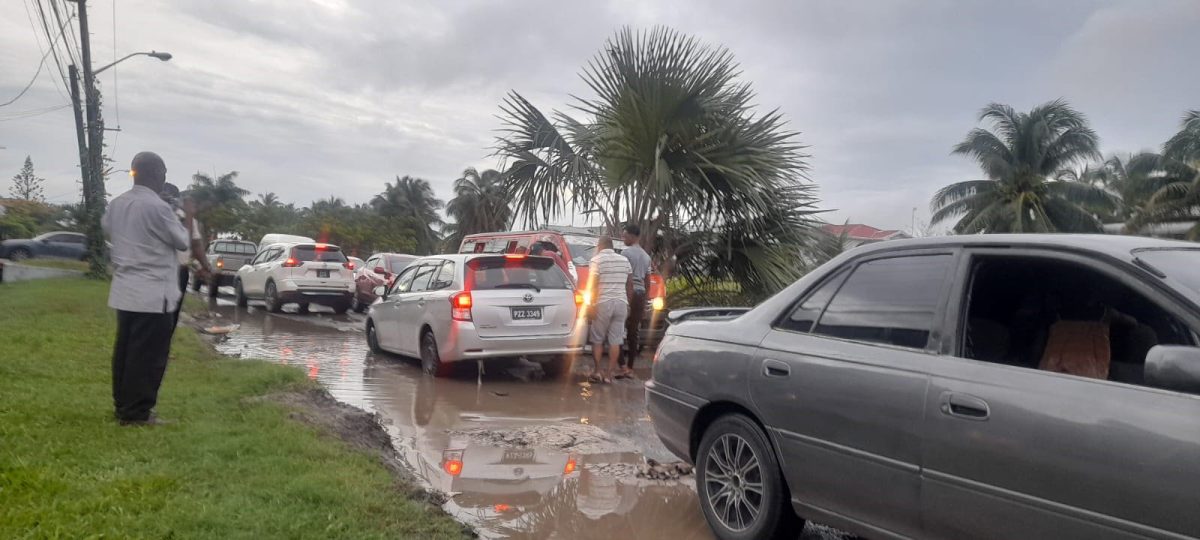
(512, 454)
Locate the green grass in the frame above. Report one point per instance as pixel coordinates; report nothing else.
(230, 467)
(64, 264)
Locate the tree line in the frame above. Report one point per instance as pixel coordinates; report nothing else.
(1043, 172)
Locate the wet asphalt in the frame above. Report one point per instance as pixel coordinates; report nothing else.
(519, 455)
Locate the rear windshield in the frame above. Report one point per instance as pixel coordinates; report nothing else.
(319, 254)
(231, 247)
(1182, 265)
(398, 264)
(489, 273)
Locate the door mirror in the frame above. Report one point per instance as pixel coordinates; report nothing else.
(379, 270)
(381, 292)
(1174, 367)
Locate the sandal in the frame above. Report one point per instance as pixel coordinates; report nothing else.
(595, 378)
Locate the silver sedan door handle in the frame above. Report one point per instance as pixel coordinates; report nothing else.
(965, 406)
(775, 368)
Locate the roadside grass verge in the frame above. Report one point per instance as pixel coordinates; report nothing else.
(63, 264)
(232, 467)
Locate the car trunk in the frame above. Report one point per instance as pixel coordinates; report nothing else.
(518, 296)
(319, 265)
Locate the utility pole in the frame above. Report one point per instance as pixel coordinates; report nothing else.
(79, 135)
(93, 187)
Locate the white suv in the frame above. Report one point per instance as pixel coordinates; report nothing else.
(301, 273)
(449, 308)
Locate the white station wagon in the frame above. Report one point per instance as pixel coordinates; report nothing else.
(449, 308)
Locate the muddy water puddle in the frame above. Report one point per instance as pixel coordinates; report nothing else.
(520, 456)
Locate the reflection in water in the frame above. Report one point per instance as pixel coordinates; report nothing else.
(501, 490)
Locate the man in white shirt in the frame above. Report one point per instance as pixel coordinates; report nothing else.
(612, 285)
(182, 205)
(146, 236)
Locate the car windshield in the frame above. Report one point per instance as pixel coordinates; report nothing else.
(398, 264)
(489, 273)
(1182, 265)
(318, 254)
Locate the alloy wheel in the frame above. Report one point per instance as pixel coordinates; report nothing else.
(733, 478)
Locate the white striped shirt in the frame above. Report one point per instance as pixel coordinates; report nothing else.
(610, 272)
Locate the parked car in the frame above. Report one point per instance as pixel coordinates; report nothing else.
(379, 270)
(68, 245)
(450, 308)
(577, 250)
(225, 257)
(356, 264)
(990, 386)
(304, 273)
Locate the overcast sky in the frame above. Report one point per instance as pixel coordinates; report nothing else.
(312, 98)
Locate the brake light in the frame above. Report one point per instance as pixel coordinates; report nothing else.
(349, 265)
(578, 299)
(657, 303)
(570, 466)
(460, 306)
(220, 262)
(291, 262)
(501, 508)
(516, 256)
(587, 297)
(454, 467)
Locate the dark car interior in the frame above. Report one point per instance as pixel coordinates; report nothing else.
(1064, 317)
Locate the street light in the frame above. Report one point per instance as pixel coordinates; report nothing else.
(159, 55)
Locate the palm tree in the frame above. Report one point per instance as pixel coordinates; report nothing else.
(1021, 157)
(1132, 179)
(219, 201)
(1179, 197)
(412, 199)
(671, 143)
(480, 204)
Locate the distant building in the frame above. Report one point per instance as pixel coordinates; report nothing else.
(858, 234)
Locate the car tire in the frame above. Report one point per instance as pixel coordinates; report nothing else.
(357, 305)
(239, 295)
(737, 471)
(556, 366)
(19, 254)
(373, 338)
(271, 296)
(431, 361)
(302, 308)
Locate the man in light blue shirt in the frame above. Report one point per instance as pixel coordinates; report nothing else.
(639, 261)
(146, 236)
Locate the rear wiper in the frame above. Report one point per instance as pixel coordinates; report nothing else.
(518, 286)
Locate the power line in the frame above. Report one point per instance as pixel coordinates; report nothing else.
(37, 39)
(62, 30)
(50, 39)
(31, 81)
(33, 112)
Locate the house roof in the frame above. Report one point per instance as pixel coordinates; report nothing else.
(858, 231)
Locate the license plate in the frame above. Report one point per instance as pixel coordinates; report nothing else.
(526, 314)
(322, 273)
(518, 455)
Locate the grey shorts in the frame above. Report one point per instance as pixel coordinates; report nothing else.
(609, 324)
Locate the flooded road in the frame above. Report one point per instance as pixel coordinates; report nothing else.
(520, 455)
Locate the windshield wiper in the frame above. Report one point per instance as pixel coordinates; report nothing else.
(518, 286)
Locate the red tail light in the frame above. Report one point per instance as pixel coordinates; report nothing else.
(460, 306)
(517, 256)
(291, 262)
(578, 299)
(454, 467)
(349, 265)
(570, 466)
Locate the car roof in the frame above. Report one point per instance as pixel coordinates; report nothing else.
(1118, 246)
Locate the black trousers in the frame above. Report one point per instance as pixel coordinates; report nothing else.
(139, 361)
(633, 325)
(183, 283)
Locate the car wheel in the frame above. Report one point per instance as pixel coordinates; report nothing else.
(239, 295)
(373, 338)
(738, 481)
(19, 254)
(302, 308)
(357, 305)
(431, 362)
(272, 298)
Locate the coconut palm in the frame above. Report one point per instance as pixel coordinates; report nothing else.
(1021, 157)
(670, 142)
(219, 201)
(480, 204)
(1132, 179)
(412, 199)
(1179, 197)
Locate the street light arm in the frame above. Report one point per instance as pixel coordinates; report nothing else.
(159, 55)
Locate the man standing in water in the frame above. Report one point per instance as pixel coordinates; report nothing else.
(639, 261)
(612, 286)
(146, 236)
